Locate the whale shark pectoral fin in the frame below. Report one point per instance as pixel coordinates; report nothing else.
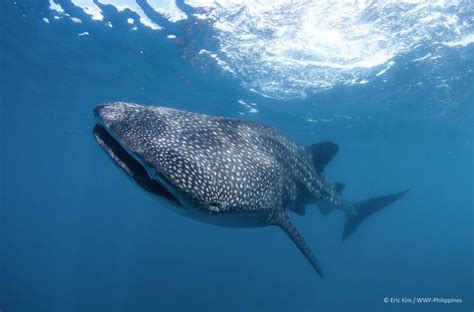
(322, 153)
(281, 219)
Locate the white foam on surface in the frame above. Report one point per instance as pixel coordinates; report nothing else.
(122, 5)
(55, 7)
(288, 49)
(90, 8)
(383, 71)
(249, 106)
(292, 48)
(168, 9)
(422, 58)
(464, 41)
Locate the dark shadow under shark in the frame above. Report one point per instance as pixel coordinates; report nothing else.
(226, 171)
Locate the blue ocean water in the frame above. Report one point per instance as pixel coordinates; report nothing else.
(76, 235)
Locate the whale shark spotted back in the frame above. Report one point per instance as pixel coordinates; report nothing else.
(220, 170)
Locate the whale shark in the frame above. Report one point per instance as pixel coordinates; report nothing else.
(226, 171)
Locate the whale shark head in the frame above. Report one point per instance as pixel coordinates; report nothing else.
(116, 132)
(195, 161)
(139, 140)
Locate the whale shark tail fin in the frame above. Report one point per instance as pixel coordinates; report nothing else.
(366, 208)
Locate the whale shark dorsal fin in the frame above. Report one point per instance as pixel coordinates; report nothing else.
(281, 219)
(322, 153)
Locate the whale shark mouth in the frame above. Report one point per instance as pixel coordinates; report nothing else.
(126, 160)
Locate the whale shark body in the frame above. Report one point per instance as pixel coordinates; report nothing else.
(226, 171)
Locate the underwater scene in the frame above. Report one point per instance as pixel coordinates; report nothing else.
(236, 155)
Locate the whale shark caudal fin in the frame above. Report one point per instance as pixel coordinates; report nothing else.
(366, 208)
(281, 219)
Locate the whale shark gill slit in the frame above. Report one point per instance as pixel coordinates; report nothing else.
(129, 164)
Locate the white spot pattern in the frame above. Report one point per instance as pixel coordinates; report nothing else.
(220, 165)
